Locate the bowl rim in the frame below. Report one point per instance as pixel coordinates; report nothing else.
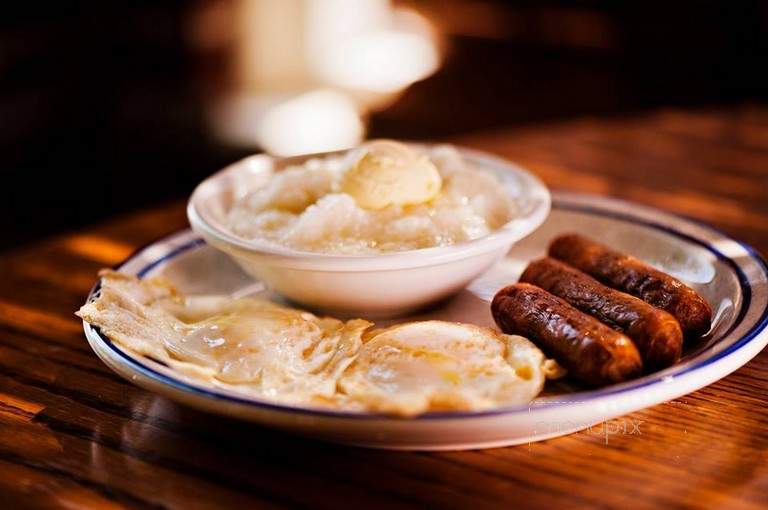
(515, 229)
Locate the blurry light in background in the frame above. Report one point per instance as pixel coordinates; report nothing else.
(367, 45)
(310, 70)
(383, 61)
(319, 121)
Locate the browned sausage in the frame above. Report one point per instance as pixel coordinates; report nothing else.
(655, 332)
(630, 275)
(591, 351)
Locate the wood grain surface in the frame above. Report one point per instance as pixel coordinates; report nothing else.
(74, 435)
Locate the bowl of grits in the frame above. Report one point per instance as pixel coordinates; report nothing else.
(382, 229)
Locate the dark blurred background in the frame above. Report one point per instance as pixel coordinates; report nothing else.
(111, 106)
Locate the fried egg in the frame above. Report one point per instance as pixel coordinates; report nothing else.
(252, 345)
(426, 366)
(290, 356)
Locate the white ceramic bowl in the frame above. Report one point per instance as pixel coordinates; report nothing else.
(374, 285)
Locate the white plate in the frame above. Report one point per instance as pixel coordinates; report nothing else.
(731, 276)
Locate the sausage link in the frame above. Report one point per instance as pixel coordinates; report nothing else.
(632, 276)
(656, 333)
(591, 351)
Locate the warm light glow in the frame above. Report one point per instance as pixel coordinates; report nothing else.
(322, 120)
(366, 45)
(381, 61)
(308, 71)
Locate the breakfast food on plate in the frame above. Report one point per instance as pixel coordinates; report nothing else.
(433, 365)
(632, 276)
(590, 351)
(290, 356)
(570, 314)
(268, 350)
(382, 197)
(655, 332)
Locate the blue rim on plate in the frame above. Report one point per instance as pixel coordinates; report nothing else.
(572, 398)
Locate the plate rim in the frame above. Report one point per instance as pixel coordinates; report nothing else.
(566, 201)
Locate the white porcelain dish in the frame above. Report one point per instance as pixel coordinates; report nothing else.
(387, 284)
(731, 276)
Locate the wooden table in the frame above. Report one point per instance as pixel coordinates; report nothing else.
(74, 435)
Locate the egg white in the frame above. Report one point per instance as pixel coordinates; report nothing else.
(426, 366)
(291, 356)
(252, 345)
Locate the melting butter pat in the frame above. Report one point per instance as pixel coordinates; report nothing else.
(390, 173)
